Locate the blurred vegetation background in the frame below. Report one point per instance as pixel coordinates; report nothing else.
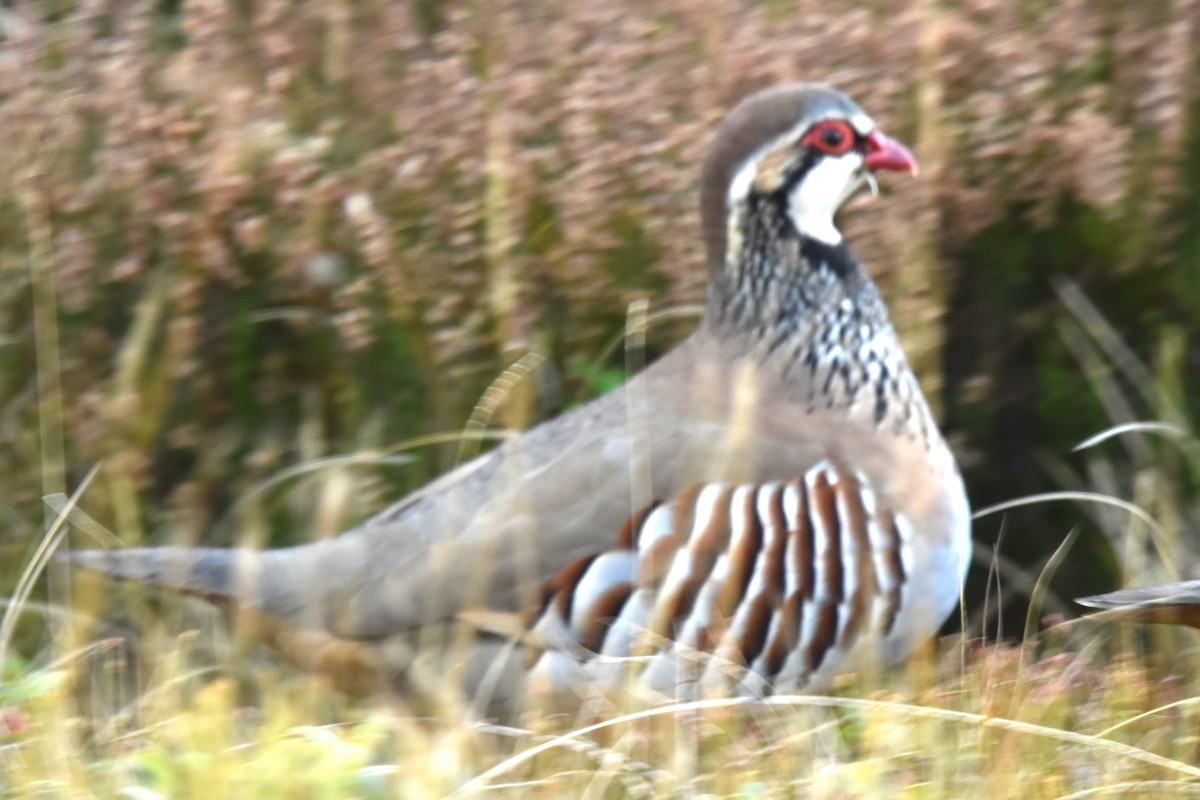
(240, 237)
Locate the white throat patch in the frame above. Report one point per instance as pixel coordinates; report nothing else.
(816, 198)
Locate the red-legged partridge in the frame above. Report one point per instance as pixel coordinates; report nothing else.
(767, 506)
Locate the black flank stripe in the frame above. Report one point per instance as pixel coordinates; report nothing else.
(895, 565)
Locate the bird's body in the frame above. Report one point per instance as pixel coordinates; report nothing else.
(772, 494)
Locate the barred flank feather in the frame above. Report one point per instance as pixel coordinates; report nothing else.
(776, 579)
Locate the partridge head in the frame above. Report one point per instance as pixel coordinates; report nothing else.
(767, 506)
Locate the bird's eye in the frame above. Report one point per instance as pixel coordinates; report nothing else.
(831, 136)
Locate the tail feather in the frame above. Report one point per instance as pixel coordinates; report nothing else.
(204, 572)
(293, 585)
(286, 588)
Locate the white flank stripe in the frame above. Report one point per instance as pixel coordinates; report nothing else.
(791, 505)
(605, 572)
(628, 627)
(759, 666)
(560, 670)
(881, 547)
(791, 516)
(659, 524)
(867, 495)
(757, 583)
(879, 610)
(699, 617)
(706, 504)
(850, 554)
(681, 570)
(552, 633)
(741, 499)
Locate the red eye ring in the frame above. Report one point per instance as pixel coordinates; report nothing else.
(833, 136)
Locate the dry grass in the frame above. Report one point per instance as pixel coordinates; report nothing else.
(988, 721)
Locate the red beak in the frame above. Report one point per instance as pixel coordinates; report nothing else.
(886, 153)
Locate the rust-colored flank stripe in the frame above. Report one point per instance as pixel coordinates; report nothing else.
(702, 552)
(741, 555)
(754, 635)
(712, 540)
(656, 559)
(822, 509)
(775, 568)
(824, 635)
(787, 634)
(803, 551)
(601, 614)
(627, 538)
(772, 568)
(824, 504)
(563, 585)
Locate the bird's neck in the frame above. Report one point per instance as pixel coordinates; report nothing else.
(809, 308)
(776, 282)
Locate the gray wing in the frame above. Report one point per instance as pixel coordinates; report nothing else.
(487, 534)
